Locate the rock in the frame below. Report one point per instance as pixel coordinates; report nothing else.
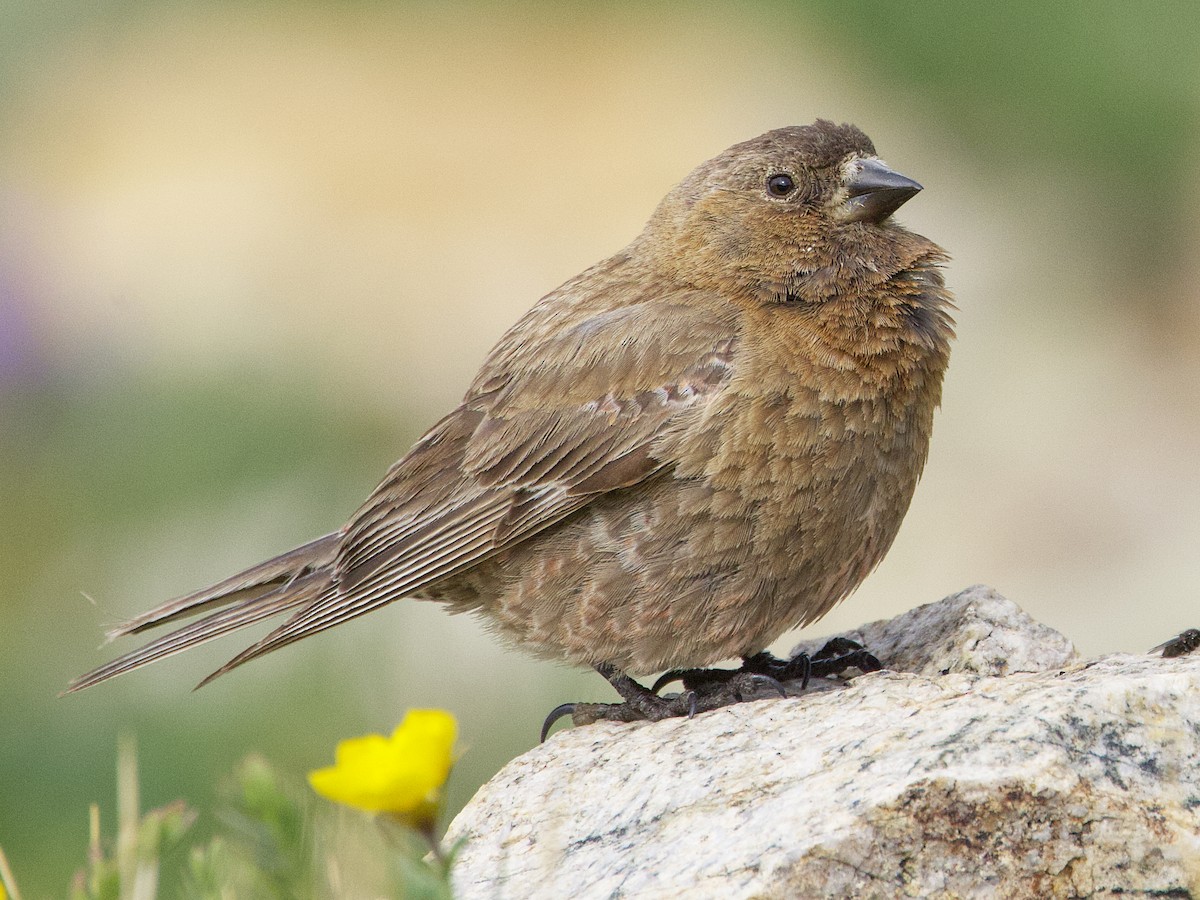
(976, 630)
(1062, 778)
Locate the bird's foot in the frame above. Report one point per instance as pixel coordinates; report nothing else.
(709, 689)
(835, 657)
(643, 704)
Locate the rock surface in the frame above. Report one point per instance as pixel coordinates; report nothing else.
(976, 631)
(987, 762)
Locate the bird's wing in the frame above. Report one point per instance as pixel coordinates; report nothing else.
(548, 425)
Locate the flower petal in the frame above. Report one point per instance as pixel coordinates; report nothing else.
(402, 775)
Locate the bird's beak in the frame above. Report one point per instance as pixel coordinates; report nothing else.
(875, 192)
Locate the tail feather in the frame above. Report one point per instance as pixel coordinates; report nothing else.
(290, 580)
(244, 586)
(296, 593)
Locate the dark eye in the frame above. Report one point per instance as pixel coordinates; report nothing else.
(780, 185)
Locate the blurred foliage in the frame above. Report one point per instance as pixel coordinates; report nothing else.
(271, 841)
(264, 821)
(86, 464)
(141, 844)
(82, 457)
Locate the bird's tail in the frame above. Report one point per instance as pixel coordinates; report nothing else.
(285, 582)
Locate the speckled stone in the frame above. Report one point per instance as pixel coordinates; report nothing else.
(1062, 778)
(977, 631)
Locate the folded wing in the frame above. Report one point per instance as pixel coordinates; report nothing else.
(547, 426)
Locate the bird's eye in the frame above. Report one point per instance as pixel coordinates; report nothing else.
(780, 185)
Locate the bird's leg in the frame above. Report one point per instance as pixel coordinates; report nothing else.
(642, 701)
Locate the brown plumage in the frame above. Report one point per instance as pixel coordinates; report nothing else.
(705, 440)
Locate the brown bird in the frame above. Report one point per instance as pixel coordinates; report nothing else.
(703, 441)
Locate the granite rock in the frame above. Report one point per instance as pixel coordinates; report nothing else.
(988, 761)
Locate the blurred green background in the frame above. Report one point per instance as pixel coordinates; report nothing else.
(248, 252)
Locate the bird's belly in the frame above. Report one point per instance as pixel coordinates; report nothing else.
(689, 569)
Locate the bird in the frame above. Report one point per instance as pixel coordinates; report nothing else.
(705, 440)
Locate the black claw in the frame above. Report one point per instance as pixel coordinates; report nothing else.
(693, 703)
(799, 666)
(667, 677)
(564, 709)
(768, 681)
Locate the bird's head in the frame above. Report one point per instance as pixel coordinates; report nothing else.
(799, 213)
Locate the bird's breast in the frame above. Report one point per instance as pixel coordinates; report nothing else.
(816, 454)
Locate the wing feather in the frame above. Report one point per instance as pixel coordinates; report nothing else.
(514, 459)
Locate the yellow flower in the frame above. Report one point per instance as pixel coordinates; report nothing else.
(401, 775)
